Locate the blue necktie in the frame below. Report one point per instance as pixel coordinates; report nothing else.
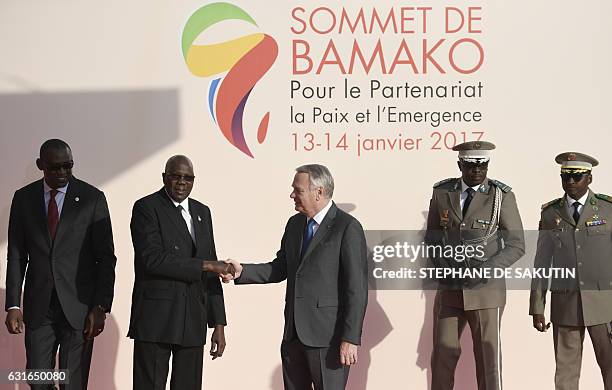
(308, 234)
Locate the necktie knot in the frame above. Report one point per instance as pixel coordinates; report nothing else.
(52, 214)
(470, 195)
(576, 214)
(308, 234)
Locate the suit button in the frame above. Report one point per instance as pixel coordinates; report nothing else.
(298, 275)
(176, 248)
(581, 283)
(577, 246)
(463, 225)
(577, 229)
(579, 264)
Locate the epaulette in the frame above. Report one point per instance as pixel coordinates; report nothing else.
(605, 197)
(438, 184)
(552, 202)
(500, 185)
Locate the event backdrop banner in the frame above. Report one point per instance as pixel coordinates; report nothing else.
(378, 91)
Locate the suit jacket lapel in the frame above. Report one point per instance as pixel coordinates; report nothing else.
(38, 197)
(299, 233)
(175, 216)
(69, 210)
(196, 218)
(587, 210)
(564, 212)
(453, 198)
(478, 202)
(322, 231)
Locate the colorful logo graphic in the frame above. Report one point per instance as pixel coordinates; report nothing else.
(246, 60)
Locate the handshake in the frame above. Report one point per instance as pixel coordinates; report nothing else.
(227, 269)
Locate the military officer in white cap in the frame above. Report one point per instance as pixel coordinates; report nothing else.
(576, 232)
(481, 212)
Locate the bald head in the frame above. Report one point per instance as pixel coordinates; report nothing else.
(178, 177)
(178, 159)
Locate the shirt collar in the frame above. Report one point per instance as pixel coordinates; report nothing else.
(321, 214)
(465, 186)
(60, 189)
(184, 203)
(582, 201)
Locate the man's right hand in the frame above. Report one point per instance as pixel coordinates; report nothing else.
(14, 321)
(219, 267)
(237, 271)
(539, 322)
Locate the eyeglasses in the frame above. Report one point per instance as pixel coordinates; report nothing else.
(56, 167)
(575, 176)
(173, 177)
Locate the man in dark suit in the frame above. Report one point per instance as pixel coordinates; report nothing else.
(60, 240)
(175, 295)
(323, 257)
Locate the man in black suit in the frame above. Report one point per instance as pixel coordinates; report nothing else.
(323, 257)
(176, 294)
(60, 240)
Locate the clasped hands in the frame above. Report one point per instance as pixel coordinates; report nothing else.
(227, 270)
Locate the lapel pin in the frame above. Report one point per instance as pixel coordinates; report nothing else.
(199, 219)
(76, 199)
(557, 221)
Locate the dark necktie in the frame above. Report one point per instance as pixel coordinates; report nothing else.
(470, 195)
(308, 234)
(52, 215)
(181, 209)
(576, 214)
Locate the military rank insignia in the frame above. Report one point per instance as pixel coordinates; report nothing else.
(596, 222)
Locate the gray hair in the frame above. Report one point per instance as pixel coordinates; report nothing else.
(319, 177)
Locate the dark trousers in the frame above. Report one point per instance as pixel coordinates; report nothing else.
(305, 366)
(53, 334)
(151, 366)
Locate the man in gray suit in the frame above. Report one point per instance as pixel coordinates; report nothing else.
(575, 233)
(482, 213)
(323, 258)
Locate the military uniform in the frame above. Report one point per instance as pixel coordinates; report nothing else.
(492, 216)
(583, 303)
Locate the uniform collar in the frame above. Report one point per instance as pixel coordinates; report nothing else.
(570, 201)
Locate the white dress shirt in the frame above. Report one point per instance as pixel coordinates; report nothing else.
(319, 217)
(464, 193)
(570, 203)
(185, 214)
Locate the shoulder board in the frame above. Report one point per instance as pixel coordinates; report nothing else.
(500, 185)
(552, 202)
(607, 198)
(441, 182)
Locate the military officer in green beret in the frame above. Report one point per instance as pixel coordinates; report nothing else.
(480, 212)
(576, 232)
